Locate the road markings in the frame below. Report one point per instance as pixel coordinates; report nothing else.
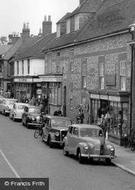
(10, 165)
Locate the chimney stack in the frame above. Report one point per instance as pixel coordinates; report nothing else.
(25, 31)
(47, 26)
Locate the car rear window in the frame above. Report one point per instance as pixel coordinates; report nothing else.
(89, 132)
(60, 122)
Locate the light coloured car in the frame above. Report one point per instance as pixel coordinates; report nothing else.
(87, 142)
(17, 111)
(6, 105)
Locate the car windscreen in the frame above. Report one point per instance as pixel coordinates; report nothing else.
(34, 110)
(89, 132)
(60, 122)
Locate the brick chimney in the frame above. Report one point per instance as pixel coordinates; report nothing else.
(47, 26)
(25, 31)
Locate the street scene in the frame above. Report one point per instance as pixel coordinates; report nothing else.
(67, 96)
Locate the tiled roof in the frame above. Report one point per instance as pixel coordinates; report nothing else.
(36, 50)
(62, 41)
(20, 53)
(88, 6)
(12, 50)
(64, 18)
(113, 16)
(4, 49)
(32, 48)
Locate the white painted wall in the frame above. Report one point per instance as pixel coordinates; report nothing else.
(36, 67)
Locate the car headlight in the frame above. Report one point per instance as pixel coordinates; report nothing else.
(57, 134)
(85, 147)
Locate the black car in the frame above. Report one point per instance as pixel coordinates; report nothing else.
(32, 116)
(55, 129)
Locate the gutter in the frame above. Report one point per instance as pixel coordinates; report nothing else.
(89, 40)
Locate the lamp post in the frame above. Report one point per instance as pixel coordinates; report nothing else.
(132, 80)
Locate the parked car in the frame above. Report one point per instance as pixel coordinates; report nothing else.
(32, 116)
(87, 142)
(55, 129)
(17, 111)
(6, 105)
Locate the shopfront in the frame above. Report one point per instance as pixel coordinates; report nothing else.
(52, 90)
(117, 105)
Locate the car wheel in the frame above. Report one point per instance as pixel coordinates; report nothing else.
(13, 118)
(3, 112)
(80, 158)
(108, 161)
(65, 152)
(50, 142)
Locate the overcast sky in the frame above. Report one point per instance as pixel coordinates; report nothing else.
(13, 13)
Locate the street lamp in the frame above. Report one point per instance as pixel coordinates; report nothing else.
(132, 80)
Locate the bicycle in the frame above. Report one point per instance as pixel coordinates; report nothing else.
(38, 132)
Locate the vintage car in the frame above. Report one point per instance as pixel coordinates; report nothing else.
(17, 111)
(32, 116)
(6, 105)
(87, 142)
(55, 129)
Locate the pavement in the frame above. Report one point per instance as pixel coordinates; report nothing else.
(125, 159)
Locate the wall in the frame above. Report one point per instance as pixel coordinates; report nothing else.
(36, 67)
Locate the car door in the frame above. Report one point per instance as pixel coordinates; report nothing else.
(75, 139)
(69, 138)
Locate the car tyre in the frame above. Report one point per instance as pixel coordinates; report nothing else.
(65, 152)
(14, 118)
(80, 158)
(108, 161)
(50, 142)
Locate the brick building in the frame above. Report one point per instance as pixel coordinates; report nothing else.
(95, 60)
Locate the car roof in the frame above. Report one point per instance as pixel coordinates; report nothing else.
(56, 117)
(86, 126)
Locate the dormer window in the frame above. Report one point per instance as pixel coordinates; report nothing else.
(68, 26)
(76, 22)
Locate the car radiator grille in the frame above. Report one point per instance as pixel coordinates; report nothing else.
(101, 149)
(63, 134)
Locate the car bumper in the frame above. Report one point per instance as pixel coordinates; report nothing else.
(35, 124)
(96, 156)
(57, 142)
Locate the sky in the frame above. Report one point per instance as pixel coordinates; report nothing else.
(13, 13)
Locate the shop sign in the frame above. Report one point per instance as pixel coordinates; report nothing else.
(94, 96)
(114, 98)
(22, 80)
(104, 97)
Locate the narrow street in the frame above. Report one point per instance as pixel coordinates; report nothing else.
(23, 156)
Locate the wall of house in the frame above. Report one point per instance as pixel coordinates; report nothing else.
(113, 50)
(36, 67)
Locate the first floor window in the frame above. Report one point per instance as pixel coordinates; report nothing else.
(123, 83)
(84, 82)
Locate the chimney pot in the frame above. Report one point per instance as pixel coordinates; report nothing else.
(49, 18)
